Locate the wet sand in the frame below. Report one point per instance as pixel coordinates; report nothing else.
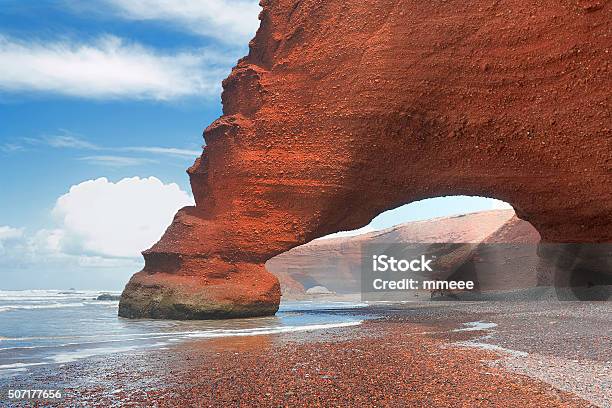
(407, 356)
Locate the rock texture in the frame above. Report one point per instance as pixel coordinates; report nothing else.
(343, 110)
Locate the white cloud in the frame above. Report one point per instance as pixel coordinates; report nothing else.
(11, 147)
(169, 151)
(98, 217)
(44, 248)
(108, 68)
(37, 261)
(116, 161)
(99, 223)
(230, 21)
(7, 233)
(45, 242)
(67, 140)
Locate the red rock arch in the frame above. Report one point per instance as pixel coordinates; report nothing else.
(343, 110)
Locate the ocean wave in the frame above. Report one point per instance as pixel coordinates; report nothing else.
(271, 330)
(18, 365)
(110, 303)
(54, 349)
(10, 308)
(311, 305)
(192, 333)
(50, 294)
(81, 354)
(476, 326)
(177, 336)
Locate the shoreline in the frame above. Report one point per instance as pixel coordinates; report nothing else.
(407, 354)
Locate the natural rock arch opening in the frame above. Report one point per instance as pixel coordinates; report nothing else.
(426, 209)
(343, 110)
(335, 262)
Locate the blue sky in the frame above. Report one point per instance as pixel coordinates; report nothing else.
(35, 112)
(105, 101)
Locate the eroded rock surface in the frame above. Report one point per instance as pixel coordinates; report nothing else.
(343, 110)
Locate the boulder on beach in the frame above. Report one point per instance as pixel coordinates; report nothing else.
(108, 297)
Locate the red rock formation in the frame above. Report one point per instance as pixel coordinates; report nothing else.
(343, 110)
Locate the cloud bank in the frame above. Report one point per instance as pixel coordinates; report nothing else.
(99, 225)
(98, 217)
(109, 67)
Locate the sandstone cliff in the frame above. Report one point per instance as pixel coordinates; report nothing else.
(343, 110)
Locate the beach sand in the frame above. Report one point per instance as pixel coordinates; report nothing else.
(407, 356)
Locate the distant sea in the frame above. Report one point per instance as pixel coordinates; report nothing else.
(42, 327)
